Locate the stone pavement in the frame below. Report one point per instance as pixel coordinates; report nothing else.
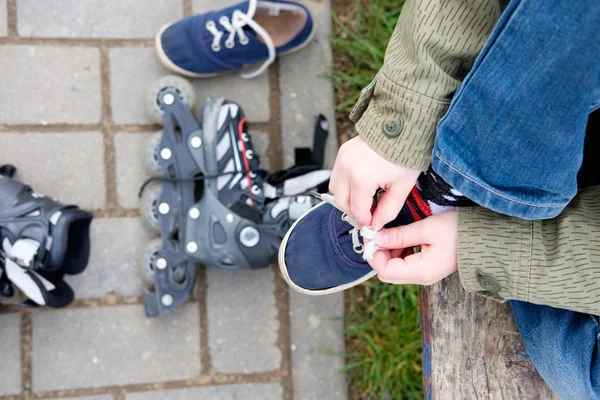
(73, 78)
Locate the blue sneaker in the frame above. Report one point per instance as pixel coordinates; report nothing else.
(230, 39)
(322, 252)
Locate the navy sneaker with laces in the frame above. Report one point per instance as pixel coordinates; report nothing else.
(323, 252)
(217, 42)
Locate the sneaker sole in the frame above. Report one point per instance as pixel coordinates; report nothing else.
(310, 292)
(170, 65)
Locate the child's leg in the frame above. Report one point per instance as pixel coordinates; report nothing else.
(563, 346)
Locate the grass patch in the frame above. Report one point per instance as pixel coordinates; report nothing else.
(382, 324)
(384, 342)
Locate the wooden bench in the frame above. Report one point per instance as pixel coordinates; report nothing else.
(472, 348)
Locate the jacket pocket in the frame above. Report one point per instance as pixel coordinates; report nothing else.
(363, 101)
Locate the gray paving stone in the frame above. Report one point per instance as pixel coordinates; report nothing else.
(95, 18)
(10, 348)
(242, 321)
(68, 166)
(202, 6)
(129, 156)
(101, 397)
(117, 246)
(3, 20)
(131, 174)
(257, 391)
(317, 346)
(305, 93)
(115, 345)
(133, 70)
(49, 84)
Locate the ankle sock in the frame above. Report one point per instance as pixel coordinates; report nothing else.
(431, 195)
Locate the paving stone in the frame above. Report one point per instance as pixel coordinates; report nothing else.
(3, 20)
(131, 174)
(133, 70)
(49, 84)
(202, 6)
(317, 346)
(101, 397)
(129, 156)
(305, 92)
(95, 18)
(10, 348)
(257, 391)
(117, 247)
(242, 320)
(68, 166)
(114, 345)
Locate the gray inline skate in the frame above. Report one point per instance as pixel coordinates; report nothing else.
(211, 204)
(41, 241)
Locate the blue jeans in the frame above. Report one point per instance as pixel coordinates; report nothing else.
(563, 346)
(513, 137)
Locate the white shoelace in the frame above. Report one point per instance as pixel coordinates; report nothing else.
(367, 250)
(236, 27)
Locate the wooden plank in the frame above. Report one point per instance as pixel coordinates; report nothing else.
(472, 348)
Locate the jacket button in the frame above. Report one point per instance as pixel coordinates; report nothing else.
(392, 128)
(489, 284)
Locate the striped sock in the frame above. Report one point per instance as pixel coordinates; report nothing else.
(431, 195)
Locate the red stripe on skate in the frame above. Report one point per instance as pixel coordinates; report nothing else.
(244, 157)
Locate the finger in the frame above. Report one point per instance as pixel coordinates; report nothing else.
(415, 234)
(361, 201)
(413, 269)
(396, 253)
(390, 203)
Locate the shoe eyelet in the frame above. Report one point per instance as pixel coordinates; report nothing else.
(249, 154)
(358, 249)
(229, 44)
(215, 48)
(210, 25)
(223, 20)
(344, 217)
(244, 41)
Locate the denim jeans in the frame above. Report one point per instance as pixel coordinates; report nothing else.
(563, 346)
(512, 139)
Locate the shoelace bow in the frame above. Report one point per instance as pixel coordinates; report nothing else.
(367, 250)
(236, 26)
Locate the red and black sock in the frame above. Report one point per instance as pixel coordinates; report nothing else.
(431, 195)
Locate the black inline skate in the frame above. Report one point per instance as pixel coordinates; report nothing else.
(212, 204)
(41, 241)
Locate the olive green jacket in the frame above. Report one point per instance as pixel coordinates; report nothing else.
(433, 47)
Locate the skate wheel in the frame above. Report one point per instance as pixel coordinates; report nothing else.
(146, 268)
(182, 87)
(149, 206)
(148, 263)
(151, 154)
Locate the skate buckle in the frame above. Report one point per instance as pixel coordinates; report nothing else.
(24, 251)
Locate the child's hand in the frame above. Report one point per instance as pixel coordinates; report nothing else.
(357, 174)
(437, 235)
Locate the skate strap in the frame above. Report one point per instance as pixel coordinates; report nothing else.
(23, 278)
(306, 159)
(24, 251)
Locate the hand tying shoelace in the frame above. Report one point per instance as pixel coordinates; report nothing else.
(236, 26)
(367, 250)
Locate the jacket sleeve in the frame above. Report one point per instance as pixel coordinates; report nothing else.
(554, 262)
(433, 46)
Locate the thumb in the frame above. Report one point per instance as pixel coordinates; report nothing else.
(415, 234)
(389, 204)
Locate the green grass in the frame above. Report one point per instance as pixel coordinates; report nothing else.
(382, 329)
(360, 46)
